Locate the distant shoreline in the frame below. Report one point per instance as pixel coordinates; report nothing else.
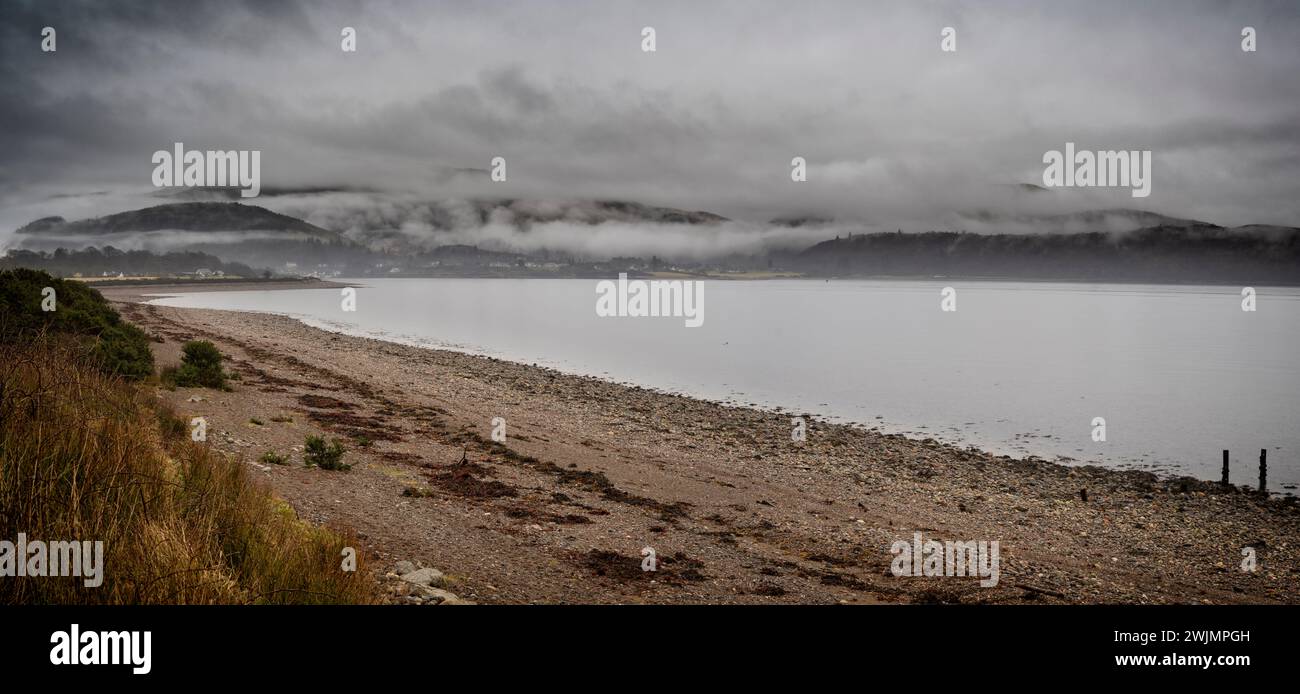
(315, 283)
(142, 290)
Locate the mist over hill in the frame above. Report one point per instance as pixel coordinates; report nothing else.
(236, 233)
(1192, 254)
(367, 233)
(188, 216)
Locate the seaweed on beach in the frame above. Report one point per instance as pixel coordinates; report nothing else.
(592, 481)
(677, 568)
(599, 483)
(339, 417)
(463, 482)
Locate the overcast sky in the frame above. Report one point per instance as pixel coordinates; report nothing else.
(894, 129)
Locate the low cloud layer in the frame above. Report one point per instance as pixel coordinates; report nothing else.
(897, 134)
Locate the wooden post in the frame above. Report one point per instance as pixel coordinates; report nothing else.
(1225, 467)
(1263, 470)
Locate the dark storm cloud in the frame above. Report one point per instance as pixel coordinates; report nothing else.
(895, 132)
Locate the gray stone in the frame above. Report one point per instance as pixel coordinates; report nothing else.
(403, 567)
(423, 577)
(448, 598)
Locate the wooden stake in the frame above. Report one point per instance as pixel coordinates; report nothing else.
(1263, 470)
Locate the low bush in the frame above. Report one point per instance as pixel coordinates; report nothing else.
(200, 367)
(327, 456)
(114, 346)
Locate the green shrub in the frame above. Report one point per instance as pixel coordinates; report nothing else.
(116, 347)
(327, 456)
(204, 358)
(200, 367)
(273, 458)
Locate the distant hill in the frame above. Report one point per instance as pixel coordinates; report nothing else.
(409, 237)
(405, 224)
(1186, 254)
(1115, 219)
(184, 216)
(525, 213)
(624, 211)
(235, 232)
(1108, 220)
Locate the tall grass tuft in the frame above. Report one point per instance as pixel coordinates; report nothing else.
(86, 455)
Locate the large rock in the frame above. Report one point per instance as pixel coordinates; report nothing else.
(448, 598)
(423, 577)
(403, 568)
(428, 595)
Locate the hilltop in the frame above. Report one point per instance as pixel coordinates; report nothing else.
(183, 216)
(1194, 253)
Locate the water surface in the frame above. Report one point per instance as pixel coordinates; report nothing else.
(1178, 372)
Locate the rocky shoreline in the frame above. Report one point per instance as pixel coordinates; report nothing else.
(591, 473)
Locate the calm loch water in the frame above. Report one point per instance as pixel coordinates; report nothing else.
(1177, 372)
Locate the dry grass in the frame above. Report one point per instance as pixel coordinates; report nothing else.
(85, 456)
